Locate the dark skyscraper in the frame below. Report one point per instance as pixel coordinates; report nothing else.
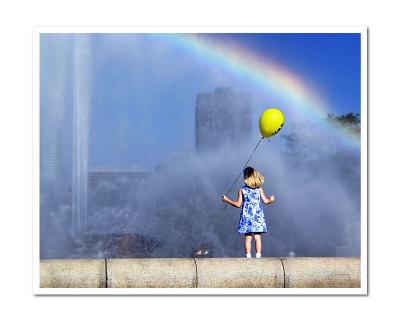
(222, 118)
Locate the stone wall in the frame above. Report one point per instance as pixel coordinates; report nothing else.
(301, 272)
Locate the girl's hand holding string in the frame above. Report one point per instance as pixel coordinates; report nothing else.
(271, 198)
(237, 203)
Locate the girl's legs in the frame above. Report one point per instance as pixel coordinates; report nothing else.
(247, 244)
(257, 239)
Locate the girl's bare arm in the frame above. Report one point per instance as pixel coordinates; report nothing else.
(238, 202)
(266, 200)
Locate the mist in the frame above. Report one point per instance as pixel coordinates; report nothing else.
(175, 208)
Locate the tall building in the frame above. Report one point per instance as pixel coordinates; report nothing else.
(54, 108)
(48, 156)
(223, 118)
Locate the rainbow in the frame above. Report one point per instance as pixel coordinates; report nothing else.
(265, 74)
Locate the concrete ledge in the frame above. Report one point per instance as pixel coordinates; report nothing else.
(322, 272)
(306, 272)
(72, 274)
(151, 273)
(240, 273)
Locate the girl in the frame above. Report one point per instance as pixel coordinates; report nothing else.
(252, 216)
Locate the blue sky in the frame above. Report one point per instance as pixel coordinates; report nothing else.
(144, 87)
(331, 62)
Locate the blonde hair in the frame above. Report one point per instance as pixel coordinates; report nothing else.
(252, 178)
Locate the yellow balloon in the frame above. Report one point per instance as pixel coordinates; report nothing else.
(271, 122)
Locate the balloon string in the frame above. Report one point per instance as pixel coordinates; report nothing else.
(255, 148)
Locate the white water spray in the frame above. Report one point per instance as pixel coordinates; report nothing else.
(81, 112)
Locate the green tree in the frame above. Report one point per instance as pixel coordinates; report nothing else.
(350, 122)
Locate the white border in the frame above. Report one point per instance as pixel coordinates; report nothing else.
(364, 161)
(199, 29)
(201, 291)
(36, 160)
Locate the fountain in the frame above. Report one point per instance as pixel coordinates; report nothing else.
(81, 112)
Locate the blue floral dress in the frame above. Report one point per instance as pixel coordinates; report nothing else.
(252, 216)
